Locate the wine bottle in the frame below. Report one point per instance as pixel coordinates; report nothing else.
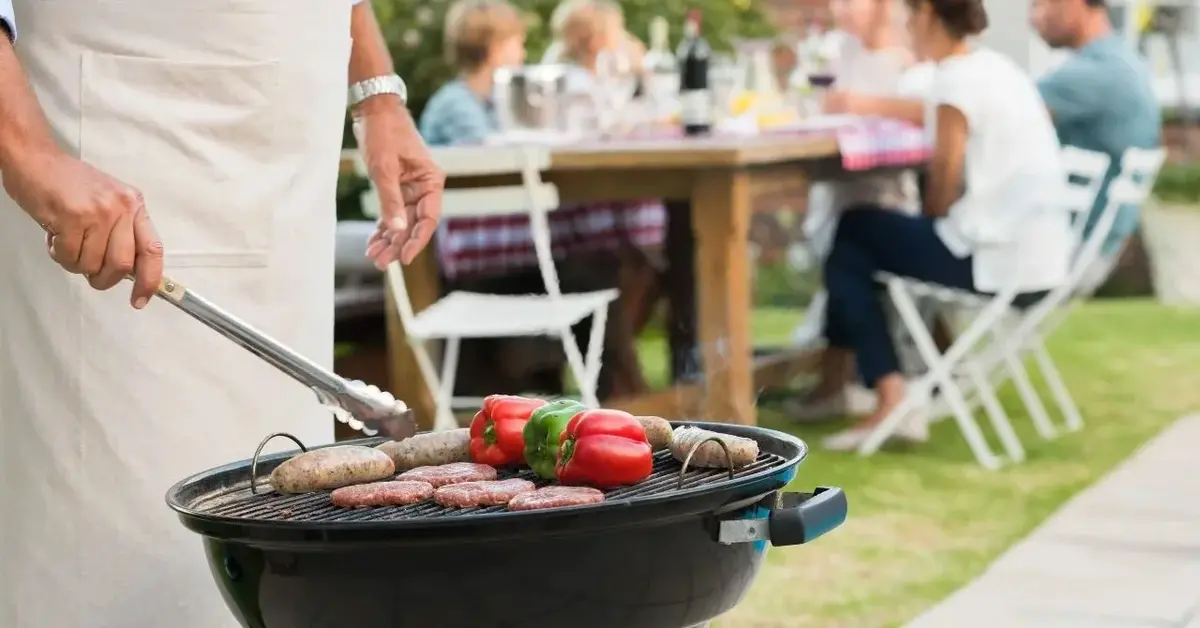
(661, 72)
(695, 97)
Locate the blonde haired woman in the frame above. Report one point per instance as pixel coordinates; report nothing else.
(583, 29)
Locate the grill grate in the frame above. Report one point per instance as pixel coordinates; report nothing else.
(241, 504)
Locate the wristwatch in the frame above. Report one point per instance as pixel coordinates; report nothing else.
(376, 86)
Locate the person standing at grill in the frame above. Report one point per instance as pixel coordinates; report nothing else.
(223, 122)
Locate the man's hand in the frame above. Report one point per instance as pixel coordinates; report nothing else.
(96, 226)
(410, 185)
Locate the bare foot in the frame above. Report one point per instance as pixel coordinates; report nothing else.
(889, 392)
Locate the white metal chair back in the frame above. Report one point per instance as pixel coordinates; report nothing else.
(470, 315)
(533, 197)
(1085, 171)
(960, 370)
(1131, 187)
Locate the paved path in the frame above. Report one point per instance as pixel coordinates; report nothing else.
(1172, 239)
(1125, 553)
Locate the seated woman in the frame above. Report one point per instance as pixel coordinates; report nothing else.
(874, 60)
(991, 131)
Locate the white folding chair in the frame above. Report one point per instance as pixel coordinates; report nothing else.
(955, 373)
(1085, 176)
(1013, 331)
(1132, 187)
(472, 315)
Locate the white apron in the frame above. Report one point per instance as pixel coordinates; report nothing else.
(227, 114)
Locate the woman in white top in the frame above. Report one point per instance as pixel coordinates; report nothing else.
(874, 58)
(991, 131)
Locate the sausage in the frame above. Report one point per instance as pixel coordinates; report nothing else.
(710, 455)
(381, 494)
(453, 473)
(491, 493)
(658, 431)
(331, 467)
(430, 449)
(556, 497)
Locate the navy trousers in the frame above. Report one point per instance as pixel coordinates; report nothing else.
(873, 239)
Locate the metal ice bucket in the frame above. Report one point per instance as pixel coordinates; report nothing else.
(532, 97)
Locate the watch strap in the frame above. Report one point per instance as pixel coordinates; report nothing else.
(377, 86)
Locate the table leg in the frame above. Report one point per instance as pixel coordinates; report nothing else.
(423, 281)
(680, 280)
(721, 220)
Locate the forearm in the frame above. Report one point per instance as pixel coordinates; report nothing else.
(940, 192)
(23, 128)
(911, 111)
(369, 56)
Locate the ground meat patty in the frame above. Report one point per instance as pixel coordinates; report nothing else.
(494, 493)
(453, 473)
(556, 497)
(395, 493)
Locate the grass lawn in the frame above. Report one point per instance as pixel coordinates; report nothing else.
(926, 521)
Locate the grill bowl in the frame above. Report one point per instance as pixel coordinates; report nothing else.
(647, 557)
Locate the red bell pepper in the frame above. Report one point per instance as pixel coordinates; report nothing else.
(604, 449)
(497, 431)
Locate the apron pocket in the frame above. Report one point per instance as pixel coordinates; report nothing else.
(200, 142)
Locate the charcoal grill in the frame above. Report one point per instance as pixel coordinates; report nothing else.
(673, 551)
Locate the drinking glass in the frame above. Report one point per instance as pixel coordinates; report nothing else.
(616, 83)
(725, 78)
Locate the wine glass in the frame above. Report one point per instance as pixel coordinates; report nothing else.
(616, 84)
(725, 77)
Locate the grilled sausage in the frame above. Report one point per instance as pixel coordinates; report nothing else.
(431, 449)
(453, 473)
(381, 494)
(492, 493)
(330, 468)
(711, 455)
(556, 497)
(658, 431)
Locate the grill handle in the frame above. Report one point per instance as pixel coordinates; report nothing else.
(793, 519)
(802, 517)
(258, 453)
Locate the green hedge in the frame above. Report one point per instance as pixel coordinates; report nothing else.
(1179, 183)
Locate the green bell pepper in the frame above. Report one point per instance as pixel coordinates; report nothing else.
(542, 433)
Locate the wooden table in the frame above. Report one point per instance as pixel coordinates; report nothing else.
(720, 178)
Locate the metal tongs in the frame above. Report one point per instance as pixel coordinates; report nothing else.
(362, 407)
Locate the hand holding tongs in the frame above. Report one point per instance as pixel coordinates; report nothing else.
(363, 407)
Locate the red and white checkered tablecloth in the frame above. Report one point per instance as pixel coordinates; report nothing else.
(879, 143)
(499, 244)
